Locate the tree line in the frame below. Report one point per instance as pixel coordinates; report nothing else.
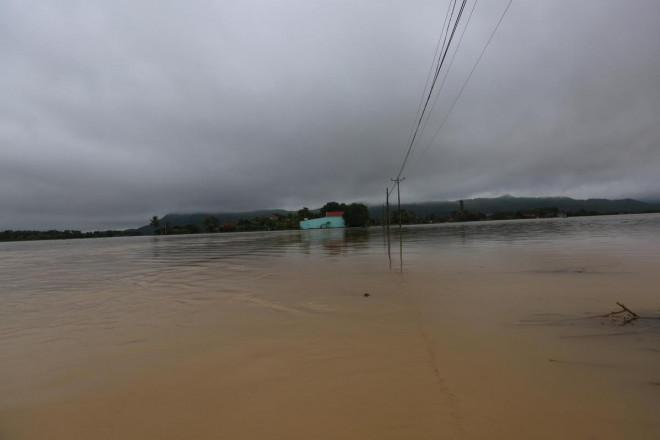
(410, 218)
(52, 234)
(355, 215)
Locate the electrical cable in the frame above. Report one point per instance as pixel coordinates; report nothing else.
(435, 56)
(440, 64)
(444, 79)
(463, 87)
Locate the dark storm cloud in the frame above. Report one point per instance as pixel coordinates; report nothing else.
(116, 111)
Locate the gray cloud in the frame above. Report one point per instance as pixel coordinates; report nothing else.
(116, 111)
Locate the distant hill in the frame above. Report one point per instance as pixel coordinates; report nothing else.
(443, 209)
(509, 203)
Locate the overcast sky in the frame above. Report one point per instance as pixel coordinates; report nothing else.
(114, 111)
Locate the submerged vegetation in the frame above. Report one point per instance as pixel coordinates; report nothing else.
(355, 215)
(358, 215)
(28, 235)
(524, 208)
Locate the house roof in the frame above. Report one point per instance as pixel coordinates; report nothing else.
(334, 214)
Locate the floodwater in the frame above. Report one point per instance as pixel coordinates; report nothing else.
(451, 331)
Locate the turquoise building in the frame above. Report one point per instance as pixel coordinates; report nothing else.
(331, 220)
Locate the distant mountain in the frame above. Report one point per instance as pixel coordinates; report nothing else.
(509, 203)
(443, 209)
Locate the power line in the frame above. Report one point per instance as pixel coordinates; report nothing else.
(444, 51)
(463, 87)
(435, 56)
(444, 79)
(435, 78)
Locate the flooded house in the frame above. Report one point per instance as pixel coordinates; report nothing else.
(331, 220)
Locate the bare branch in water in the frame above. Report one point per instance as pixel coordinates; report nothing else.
(627, 309)
(629, 318)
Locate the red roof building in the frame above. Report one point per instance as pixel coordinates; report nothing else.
(334, 214)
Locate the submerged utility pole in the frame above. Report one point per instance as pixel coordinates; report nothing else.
(387, 209)
(387, 224)
(398, 194)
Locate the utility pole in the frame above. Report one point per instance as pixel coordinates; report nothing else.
(387, 208)
(398, 193)
(387, 224)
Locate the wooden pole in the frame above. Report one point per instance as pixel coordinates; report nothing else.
(398, 193)
(387, 208)
(387, 225)
(398, 197)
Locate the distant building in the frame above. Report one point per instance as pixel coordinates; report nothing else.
(331, 220)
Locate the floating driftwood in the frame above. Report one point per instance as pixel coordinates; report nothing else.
(623, 316)
(625, 313)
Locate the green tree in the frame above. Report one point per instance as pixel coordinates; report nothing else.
(355, 215)
(407, 217)
(155, 222)
(188, 228)
(305, 213)
(472, 216)
(211, 223)
(331, 207)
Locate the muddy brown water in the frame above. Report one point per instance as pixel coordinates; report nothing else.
(468, 331)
